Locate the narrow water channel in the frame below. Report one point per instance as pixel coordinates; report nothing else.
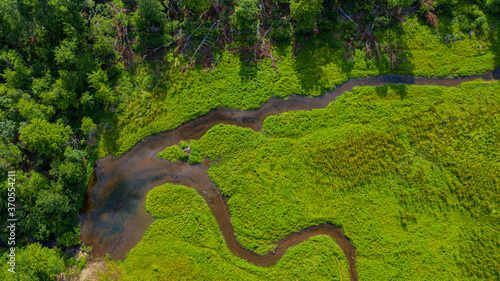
(114, 218)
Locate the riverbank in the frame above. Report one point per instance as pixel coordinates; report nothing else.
(185, 243)
(182, 94)
(397, 213)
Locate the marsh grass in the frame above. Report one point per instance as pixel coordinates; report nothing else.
(186, 93)
(410, 173)
(185, 244)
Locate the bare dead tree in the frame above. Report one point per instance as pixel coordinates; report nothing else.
(429, 15)
(349, 53)
(73, 141)
(149, 52)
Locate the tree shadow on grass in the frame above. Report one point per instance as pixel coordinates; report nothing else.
(248, 67)
(307, 65)
(248, 70)
(400, 89)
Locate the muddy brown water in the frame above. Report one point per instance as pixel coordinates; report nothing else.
(114, 218)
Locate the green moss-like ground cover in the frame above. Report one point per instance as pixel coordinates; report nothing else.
(319, 66)
(173, 153)
(411, 173)
(186, 244)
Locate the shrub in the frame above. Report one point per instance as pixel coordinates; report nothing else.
(183, 144)
(281, 34)
(68, 239)
(173, 153)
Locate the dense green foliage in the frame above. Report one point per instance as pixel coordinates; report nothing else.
(305, 14)
(401, 3)
(244, 15)
(34, 263)
(173, 153)
(43, 137)
(318, 68)
(186, 244)
(411, 173)
(57, 69)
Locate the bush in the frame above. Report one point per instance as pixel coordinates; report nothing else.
(384, 21)
(173, 153)
(281, 34)
(183, 144)
(480, 24)
(198, 6)
(493, 6)
(195, 156)
(35, 263)
(403, 4)
(244, 15)
(150, 82)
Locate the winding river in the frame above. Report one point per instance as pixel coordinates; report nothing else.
(113, 216)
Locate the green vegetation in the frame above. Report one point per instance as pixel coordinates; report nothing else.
(173, 153)
(34, 263)
(183, 144)
(186, 244)
(184, 95)
(411, 173)
(37, 138)
(305, 14)
(82, 79)
(57, 70)
(244, 15)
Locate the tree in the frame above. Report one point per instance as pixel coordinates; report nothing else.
(10, 155)
(29, 109)
(7, 129)
(198, 6)
(44, 137)
(98, 79)
(52, 213)
(15, 72)
(305, 13)
(150, 20)
(88, 126)
(68, 239)
(244, 15)
(493, 5)
(35, 263)
(69, 172)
